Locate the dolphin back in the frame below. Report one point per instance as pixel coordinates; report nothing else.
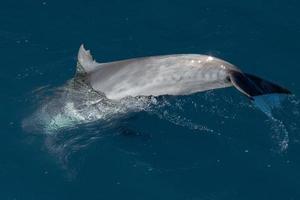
(168, 75)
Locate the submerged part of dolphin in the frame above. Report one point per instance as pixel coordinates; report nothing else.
(180, 74)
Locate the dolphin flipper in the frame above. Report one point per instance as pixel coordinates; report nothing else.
(253, 86)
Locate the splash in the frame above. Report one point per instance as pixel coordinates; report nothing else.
(71, 107)
(269, 102)
(280, 120)
(74, 118)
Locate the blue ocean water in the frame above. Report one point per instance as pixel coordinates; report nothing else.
(212, 145)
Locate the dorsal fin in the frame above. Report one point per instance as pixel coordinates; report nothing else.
(85, 63)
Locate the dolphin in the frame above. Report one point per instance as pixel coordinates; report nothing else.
(105, 90)
(179, 74)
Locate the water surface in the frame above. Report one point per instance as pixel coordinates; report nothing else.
(211, 145)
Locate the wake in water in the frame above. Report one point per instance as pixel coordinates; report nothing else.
(101, 95)
(68, 108)
(72, 119)
(283, 118)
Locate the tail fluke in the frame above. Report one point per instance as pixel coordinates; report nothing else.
(253, 86)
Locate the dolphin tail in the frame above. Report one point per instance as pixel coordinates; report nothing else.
(253, 86)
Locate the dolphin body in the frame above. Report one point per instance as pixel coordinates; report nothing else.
(99, 90)
(180, 74)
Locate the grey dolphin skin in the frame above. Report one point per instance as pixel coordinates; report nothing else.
(180, 74)
(99, 90)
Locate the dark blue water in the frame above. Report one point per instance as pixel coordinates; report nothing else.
(212, 145)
